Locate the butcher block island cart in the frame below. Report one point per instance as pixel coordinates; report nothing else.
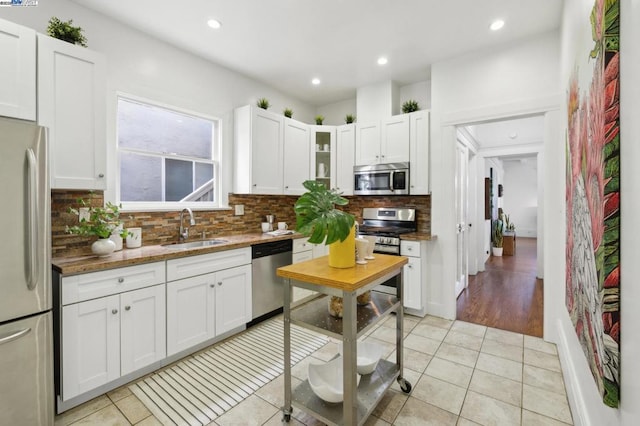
(359, 399)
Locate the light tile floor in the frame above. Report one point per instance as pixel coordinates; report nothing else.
(462, 374)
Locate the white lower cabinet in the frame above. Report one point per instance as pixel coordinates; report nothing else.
(415, 273)
(111, 336)
(211, 303)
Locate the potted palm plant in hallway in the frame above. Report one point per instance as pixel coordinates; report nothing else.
(497, 237)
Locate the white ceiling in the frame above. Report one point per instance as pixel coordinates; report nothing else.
(508, 133)
(285, 43)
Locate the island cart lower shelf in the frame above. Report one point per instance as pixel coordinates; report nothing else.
(359, 399)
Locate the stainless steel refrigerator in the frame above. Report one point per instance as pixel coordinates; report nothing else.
(26, 353)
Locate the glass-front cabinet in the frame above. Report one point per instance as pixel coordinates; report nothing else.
(324, 145)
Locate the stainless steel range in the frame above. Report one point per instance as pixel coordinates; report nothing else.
(387, 224)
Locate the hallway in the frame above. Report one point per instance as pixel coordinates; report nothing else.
(507, 295)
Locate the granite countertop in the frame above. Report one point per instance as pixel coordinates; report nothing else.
(146, 254)
(418, 236)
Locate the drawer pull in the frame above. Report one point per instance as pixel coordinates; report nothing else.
(220, 283)
(127, 308)
(121, 280)
(212, 285)
(114, 311)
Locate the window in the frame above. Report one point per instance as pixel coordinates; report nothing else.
(166, 158)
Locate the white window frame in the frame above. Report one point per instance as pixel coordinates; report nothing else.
(216, 151)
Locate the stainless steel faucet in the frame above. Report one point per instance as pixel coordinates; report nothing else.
(184, 232)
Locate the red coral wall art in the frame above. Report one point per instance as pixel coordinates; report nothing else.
(593, 203)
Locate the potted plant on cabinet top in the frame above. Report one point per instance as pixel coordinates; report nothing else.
(66, 31)
(410, 106)
(319, 119)
(288, 112)
(263, 103)
(102, 222)
(497, 237)
(349, 118)
(318, 219)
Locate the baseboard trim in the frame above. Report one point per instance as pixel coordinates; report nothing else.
(570, 373)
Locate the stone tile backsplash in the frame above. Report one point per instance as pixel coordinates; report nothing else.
(162, 227)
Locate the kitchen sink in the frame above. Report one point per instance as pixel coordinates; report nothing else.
(195, 244)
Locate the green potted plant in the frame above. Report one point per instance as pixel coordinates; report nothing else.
(102, 223)
(319, 119)
(410, 106)
(66, 31)
(288, 112)
(349, 118)
(317, 218)
(263, 103)
(497, 237)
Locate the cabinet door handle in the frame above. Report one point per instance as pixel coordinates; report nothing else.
(410, 266)
(121, 280)
(255, 184)
(212, 285)
(219, 282)
(127, 308)
(101, 175)
(409, 248)
(286, 187)
(114, 311)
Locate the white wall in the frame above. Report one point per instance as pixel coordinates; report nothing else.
(516, 79)
(148, 68)
(334, 113)
(520, 196)
(377, 101)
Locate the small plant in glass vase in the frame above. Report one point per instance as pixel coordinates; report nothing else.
(102, 223)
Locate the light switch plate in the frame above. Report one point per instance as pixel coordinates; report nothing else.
(239, 209)
(84, 213)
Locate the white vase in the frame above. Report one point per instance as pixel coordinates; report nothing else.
(103, 247)
(497, 251)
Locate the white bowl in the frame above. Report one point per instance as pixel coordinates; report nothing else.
(368, 355)
(326, 380)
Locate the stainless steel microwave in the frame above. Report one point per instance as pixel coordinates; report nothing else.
(381, 179)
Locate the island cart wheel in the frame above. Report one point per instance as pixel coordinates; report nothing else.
(286, 415)
(404, 385)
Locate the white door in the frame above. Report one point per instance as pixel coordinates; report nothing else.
(18, 71)
(233, 298)
(394, 145)
(91, 345)
(297, 156)
(367, 144)
(190, 312)
(142, 328)
(72, 104)
(461, 187)
(345, 158)
(266, 152)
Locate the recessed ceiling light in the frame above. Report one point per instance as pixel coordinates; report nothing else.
(382, 60)
(315, 81)
(513, 135)
(213, 23)
(497, 24)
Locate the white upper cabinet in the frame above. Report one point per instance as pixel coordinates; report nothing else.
(297, 156)
(345, 158)
(72, 104)
(394, 144)
(419, 153)
(258, 151)
(386, 141)
(367, 144)
(323, 167)
(17, 71)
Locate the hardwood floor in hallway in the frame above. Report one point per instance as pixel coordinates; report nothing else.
(507, 295)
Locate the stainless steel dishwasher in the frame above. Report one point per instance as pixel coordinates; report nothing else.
(267, 290)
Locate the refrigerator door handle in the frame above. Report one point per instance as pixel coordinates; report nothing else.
(14, 336)
(32, 212)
